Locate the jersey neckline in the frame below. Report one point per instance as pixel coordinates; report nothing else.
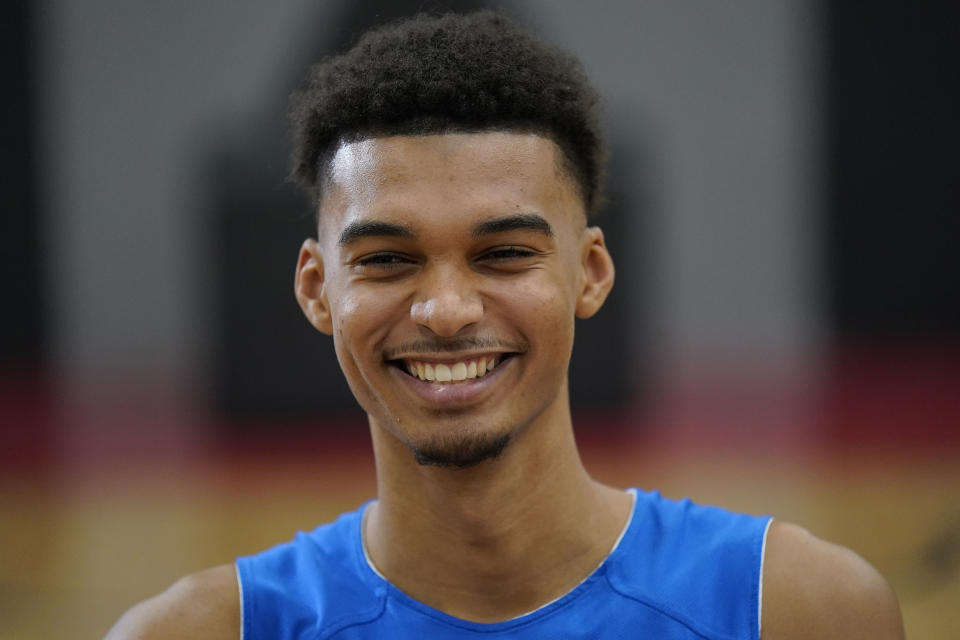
(381, 584)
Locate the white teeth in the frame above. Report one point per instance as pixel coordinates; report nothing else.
(443, 373)
(456, 372)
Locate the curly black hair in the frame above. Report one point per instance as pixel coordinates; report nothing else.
(442, 74)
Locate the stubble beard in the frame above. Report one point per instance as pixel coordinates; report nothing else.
(460, 451)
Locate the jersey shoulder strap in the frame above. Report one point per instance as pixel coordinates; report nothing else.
(312, 586)
(700, 565)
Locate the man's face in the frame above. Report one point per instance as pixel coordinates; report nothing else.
(449, 269)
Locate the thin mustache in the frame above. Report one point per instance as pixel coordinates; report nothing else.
(450, 345)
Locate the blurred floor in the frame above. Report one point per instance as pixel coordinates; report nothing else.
(119, 507)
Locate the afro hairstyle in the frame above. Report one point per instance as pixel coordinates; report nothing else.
(445, 74)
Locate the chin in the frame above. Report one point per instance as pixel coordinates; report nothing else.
(460, 452)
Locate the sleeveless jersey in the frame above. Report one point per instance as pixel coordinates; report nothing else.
(679, 571)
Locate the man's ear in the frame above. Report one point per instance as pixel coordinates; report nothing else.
(598, 273)
(308, 285)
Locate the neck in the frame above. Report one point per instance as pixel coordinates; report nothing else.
(496, 540)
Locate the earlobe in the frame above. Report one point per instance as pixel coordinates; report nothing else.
(598, 273)
(309, 287)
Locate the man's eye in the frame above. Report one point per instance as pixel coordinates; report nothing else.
(383, 260)
(507, 253)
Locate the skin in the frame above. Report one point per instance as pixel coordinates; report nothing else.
(457, 247)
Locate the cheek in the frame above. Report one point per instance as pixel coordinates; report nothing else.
(546, 308)
(356, 321)
(361, 320)
(344, 315)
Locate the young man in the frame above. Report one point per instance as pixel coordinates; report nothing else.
(454, 162)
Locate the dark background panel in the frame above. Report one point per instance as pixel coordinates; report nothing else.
(22, 324)
(893, 214)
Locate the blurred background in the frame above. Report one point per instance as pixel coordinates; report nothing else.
(784, 335)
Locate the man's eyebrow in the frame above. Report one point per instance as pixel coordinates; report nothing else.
(529, 221)
(365, 229)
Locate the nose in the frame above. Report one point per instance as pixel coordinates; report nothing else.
(447, 302)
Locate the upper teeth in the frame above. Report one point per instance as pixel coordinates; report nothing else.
(451, 372)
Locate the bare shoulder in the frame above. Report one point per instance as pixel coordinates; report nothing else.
(816, 589)
(202, 605)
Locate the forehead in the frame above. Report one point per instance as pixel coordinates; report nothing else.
(442, 178)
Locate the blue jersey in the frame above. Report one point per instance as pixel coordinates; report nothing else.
(679, 571)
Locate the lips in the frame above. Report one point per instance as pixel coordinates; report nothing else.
(453, 372)
(447, 389)
(448, 379)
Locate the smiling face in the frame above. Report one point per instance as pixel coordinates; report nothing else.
(449, 269)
